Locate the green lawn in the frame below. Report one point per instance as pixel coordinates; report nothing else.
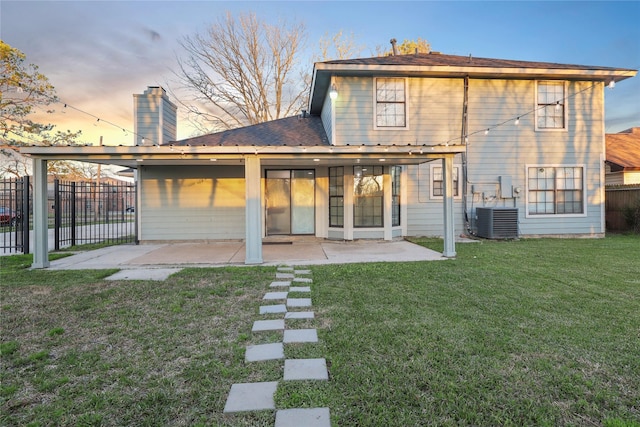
(529, 332)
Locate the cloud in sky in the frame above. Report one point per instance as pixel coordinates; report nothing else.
(99, 53)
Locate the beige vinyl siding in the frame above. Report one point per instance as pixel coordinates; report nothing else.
(425, 217)
(326, 118)
(508, 149)
(434, 112)
(192, 203)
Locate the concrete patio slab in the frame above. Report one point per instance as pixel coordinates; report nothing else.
(268, 325)
(300, 335)
(220, 254)
(298, 302)
(144, 274)
(276, 308)
(308, 417)
(305, 369)
(275, 295)
(299, 315)
(261, 352)
(251, 397)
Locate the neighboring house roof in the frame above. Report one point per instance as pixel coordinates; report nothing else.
(623, 149)
(299, 130)
(439, 65)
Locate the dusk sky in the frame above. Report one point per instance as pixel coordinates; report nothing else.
(97, 54)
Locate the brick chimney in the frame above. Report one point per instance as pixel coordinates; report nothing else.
(154, 117)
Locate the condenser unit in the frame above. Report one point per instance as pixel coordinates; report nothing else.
(497, 223)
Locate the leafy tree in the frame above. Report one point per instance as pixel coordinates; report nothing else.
(407, 47)
(22, 89)
(241, 72)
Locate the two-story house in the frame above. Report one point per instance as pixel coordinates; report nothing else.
(406, 145)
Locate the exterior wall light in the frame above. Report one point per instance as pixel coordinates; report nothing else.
(333, 93)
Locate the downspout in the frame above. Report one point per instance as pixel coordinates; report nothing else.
(463, 138)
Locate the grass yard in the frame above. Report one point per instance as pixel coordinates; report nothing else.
(529, 332)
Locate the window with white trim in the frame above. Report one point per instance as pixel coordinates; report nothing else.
(396, 172)
(551, 108)
(555, 190)
(437, 184)
(336, 196)
(368, 196)
(391, 103)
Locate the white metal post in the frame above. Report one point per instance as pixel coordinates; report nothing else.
(40, 215)
(447, 203)
(253, 218)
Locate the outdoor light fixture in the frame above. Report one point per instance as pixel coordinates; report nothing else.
(517, 122)
(333, 93)
(612, 84)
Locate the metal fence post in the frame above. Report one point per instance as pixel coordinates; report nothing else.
(56, 214)
(26, 213)
(73, 213)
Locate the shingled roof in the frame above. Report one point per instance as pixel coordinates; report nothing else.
(438, 59)
(623, 149)
(307, 131)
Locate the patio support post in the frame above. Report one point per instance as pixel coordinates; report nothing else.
(253, 218)
(387, 220)
(447, 203)
(40, 220)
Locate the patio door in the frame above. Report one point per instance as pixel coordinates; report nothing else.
(290, 202)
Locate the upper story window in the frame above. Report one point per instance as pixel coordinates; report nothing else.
(551, 108)
(390, 102)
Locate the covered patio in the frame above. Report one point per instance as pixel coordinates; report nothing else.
(254, 160)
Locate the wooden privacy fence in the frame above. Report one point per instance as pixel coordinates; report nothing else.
(619, 199)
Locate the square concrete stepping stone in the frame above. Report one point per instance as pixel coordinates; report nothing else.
(305, 369)
(284, 275)
(279, 284)
(260, 352)
(300, 289)
(276, 308)
(308, 417)
(302, 280)
(275, 295)
(268, 325)
(302, 271)
(300, 335)
(285, 268)
(298, 302)
(299, 315)
(251, 397)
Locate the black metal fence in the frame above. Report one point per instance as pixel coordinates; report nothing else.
(79, 213)
(15, 205)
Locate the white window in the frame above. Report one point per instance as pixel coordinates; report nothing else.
(437, 184)
(555, 190)
(390, 103)
(551, 108)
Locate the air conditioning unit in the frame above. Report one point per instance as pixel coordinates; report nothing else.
(497, 223)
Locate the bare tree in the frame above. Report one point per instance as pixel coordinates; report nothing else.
(338, 46)
(242, 71)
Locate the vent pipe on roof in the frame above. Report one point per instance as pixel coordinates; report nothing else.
(393, 47)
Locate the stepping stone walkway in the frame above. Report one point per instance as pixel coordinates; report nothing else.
(259, 396)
